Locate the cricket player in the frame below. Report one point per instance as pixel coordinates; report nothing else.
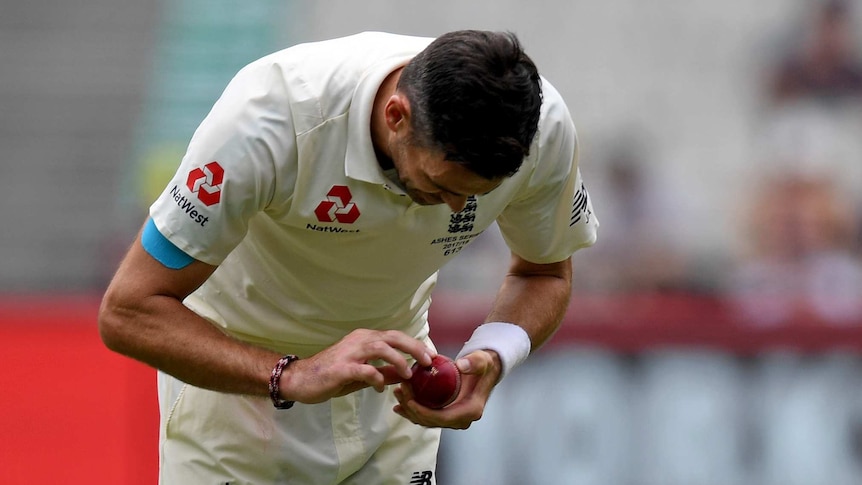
(282, 280)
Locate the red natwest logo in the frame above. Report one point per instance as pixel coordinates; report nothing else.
(337, 206)
(206, 183)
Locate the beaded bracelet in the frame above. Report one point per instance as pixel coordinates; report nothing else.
(274, 380)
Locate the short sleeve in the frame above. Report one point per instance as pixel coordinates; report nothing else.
(236, 162)
(552, 216)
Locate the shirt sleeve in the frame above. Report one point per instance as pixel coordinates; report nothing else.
(238, 159)
(552, 216)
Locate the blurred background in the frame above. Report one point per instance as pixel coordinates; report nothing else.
(715, 331)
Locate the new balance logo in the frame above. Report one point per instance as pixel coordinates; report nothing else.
(337, 206)
(422, 478)
(206, 183)
(580, 207)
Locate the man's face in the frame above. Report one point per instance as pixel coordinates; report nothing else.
(429, 179)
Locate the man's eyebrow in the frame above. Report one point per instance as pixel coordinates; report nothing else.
(444, 189)
(433, 182)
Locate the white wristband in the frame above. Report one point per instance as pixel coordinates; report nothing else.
(510, 342)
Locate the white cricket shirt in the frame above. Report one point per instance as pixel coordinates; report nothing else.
(281, 188)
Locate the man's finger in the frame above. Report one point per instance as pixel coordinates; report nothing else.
(409, 345)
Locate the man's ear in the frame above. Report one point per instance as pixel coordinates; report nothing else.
(397, 112)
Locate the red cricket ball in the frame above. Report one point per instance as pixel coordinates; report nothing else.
(437, 385)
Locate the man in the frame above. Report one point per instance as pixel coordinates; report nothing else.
(292, 257)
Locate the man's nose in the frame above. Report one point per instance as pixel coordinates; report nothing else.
(454, 201)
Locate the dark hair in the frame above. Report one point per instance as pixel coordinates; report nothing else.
(476, 96)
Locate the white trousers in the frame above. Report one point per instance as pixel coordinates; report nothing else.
(214, 438)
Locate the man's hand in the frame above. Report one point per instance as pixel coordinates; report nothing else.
(480, 372)
(363, 358)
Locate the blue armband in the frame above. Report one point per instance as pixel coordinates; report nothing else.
(161, 249)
